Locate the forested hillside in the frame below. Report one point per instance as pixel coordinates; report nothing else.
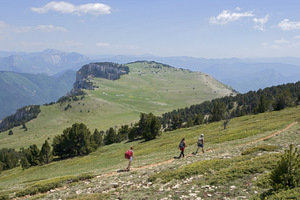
(269, 99)
(18, 90)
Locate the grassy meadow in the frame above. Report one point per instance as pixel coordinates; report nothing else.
(149, 87)
(225, 144)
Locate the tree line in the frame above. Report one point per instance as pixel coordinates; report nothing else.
(269, 99)
(78, 140)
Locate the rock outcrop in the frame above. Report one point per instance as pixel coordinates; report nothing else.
(107, 70)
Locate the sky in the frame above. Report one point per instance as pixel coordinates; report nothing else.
(195, 28)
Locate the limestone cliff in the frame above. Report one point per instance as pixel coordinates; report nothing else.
(107, 70)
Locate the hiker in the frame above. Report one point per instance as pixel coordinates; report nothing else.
(129, 154)
(182, 146)
(200, 143)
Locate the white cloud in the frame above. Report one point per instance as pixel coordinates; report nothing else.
(68, 8)
(50, 28)
(5, 28)
(260, 23)
(102, 44)
(287, 25)
(297, 37)
(281, 41)
(227, 16)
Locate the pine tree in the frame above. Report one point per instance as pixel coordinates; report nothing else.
(151, 127)
(199, 119)
(32, 155)
(98, 138)
(287, 173)
(218, 112)
(111, 136)
(24, 163)
(46, 155)
(176, 122)
(74, 141)
(123, 132)
(263, 105)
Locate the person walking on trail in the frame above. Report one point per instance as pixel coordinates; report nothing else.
(200, 143)
(129, 154)
(182, 146)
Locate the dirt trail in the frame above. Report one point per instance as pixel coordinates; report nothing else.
(273, 134)
(210, 150)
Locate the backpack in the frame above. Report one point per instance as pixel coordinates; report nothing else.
(181, 145)
(200, 141)
(128, 154)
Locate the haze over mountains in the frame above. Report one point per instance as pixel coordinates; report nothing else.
(241, 74)
(22, 89)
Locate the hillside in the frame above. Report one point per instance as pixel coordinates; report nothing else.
(149, 87)
(22, 89)
(156, 175)
(241, 74)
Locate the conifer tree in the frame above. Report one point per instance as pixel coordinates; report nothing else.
(98, 138)
(74, 141)
(286, 175)
(111, 136)
(151, 127)
(218, 111)
(33, 155)
(46, 155)
(24, 163)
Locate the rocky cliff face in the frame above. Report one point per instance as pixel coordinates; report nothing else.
(108, 70)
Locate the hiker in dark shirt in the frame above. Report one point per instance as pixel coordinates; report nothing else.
(182, 146)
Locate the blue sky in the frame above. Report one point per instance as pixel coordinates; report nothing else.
(197, 28)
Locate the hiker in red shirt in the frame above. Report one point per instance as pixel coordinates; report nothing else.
(129, 154)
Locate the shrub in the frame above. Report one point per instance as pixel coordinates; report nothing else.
(4, 197)
(259, 148)
(46, 185)
(286, 175)
(96, 196)
(200, 167)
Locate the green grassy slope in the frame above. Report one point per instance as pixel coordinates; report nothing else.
(149, 87)
(111, 158)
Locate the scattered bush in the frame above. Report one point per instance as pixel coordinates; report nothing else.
(47, 185)
(219, 171)
(95, 196)
(286, 175)
(259, 148)
(4, 197)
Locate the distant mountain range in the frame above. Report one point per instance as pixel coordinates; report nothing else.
(25, 88)
(48, 62)
(241, 74)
